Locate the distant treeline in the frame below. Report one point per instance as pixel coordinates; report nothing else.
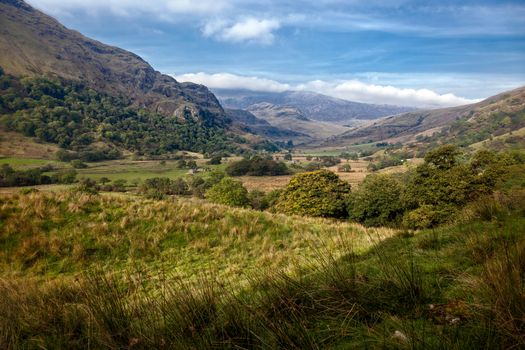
(10, 177)
(96, 126)
(257, 166)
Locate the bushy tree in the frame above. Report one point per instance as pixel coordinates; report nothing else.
(442, 184)
(318, 193)
(229, 192)
(377, 201)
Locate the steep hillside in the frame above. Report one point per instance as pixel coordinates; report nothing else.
(462, 125)
(312, 105)
(33, 43)
(96, 126)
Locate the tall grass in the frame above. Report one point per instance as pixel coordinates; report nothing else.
(456, 287)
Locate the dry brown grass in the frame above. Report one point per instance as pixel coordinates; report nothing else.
(13, 144)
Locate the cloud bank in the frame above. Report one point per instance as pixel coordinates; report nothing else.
(351, 90)
(232, 81)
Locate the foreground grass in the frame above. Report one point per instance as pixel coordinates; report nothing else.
(68, 233)
(455, 287)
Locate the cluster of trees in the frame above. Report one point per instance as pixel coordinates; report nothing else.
(257, 166)
(430, 194)
(80, 119)
(424, 197)
(10, 177)
(216, 187)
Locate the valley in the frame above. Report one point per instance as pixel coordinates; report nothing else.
(138, 211)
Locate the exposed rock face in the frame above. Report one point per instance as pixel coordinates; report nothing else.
(33, 43)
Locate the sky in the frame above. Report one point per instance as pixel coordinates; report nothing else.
(402, 52)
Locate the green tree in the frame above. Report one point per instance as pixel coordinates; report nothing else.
(229, 192)
(377, 201)
(318, 193)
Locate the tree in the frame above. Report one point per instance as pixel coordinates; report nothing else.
(444, 157)
(318, 193)
(346, 168)
(229, 192)
(104, 180)
(288, 156)
(377, 201)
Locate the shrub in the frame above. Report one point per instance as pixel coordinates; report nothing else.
(164, 186)
(427, 216)
(377, 201)
(346, 168)
(87, 186)
(318, 193)
(258, 200)
(78, 164)
(229, 192)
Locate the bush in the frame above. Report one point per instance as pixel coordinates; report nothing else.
(87, 186)
(258, 200)
(164, 186)
(229, 192)
(345, 168)
(377, 201)
(78, 164)
(427, 216)
(318, 193)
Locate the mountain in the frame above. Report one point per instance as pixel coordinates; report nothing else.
(248, 122)
(292, 119)
(34, 44)
(312, 105)
(463, 125)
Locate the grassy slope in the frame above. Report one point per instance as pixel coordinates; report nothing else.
(15, 145)
(457, 287)
(69, 233)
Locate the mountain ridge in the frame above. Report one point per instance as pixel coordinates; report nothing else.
(485, 118)
(312, 105)
(33, 43)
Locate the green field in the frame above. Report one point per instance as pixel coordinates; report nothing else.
(20, 163)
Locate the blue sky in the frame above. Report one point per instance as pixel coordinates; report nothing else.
(421, 53)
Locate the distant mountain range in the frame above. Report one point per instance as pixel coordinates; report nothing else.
(313, 106)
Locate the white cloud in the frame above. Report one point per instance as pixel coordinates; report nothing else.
(232, 81)
(351, 90)
(355, 90)
(246, 30)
